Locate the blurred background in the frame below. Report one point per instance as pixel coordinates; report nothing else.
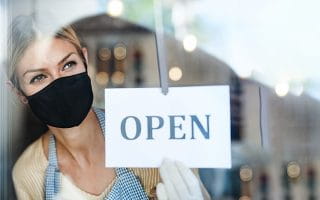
(266, 51)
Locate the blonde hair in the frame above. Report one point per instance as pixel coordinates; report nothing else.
(23, 32)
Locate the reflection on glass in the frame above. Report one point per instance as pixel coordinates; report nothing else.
(115, 8)
(117, 78)
(175, 73)
(102, 78)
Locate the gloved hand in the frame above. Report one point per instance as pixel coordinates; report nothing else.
(178, 182)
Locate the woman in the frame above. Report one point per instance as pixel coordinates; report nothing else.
(49, 73)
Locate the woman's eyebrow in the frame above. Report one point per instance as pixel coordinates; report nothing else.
(33, 70)
(66, 57)
(41, 69)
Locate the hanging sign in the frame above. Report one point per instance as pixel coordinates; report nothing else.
(189, 124)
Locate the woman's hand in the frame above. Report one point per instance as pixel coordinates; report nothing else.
(178, 182)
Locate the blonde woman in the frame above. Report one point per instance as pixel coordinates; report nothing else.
(48, 72)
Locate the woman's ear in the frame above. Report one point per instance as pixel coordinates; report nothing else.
(85, 54)
(18, 93)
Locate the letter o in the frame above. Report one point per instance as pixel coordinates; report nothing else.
(123, 128)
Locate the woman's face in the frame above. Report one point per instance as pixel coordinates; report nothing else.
(47, 60)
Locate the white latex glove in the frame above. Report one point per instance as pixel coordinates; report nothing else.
(178, 182)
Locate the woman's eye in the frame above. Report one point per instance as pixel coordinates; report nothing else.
(38, 78)
(69, 65)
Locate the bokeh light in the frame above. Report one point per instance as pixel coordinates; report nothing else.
(104, 54)
(246, 173)
(190, 43)
(245, 73)
(117, 78)
(282, 89)
(115, 8)
(175, 73)
(120, 51)
(297, 89)
(102, 78)
(293, 170)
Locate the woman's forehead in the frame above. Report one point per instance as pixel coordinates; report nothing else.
(45, 52)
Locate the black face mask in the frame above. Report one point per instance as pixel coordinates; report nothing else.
(65, 102)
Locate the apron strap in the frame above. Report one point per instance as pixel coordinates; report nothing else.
(100, 115)
(52, 181)
(126, 187)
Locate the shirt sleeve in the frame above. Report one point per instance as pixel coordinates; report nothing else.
(20, 189)
(28, 173)
(149, 178)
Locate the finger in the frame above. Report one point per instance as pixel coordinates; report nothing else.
(192, 183)
(170, 190)
(172, 175)
(161, 192)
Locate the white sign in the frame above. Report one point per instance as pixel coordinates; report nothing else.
(190, 124)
